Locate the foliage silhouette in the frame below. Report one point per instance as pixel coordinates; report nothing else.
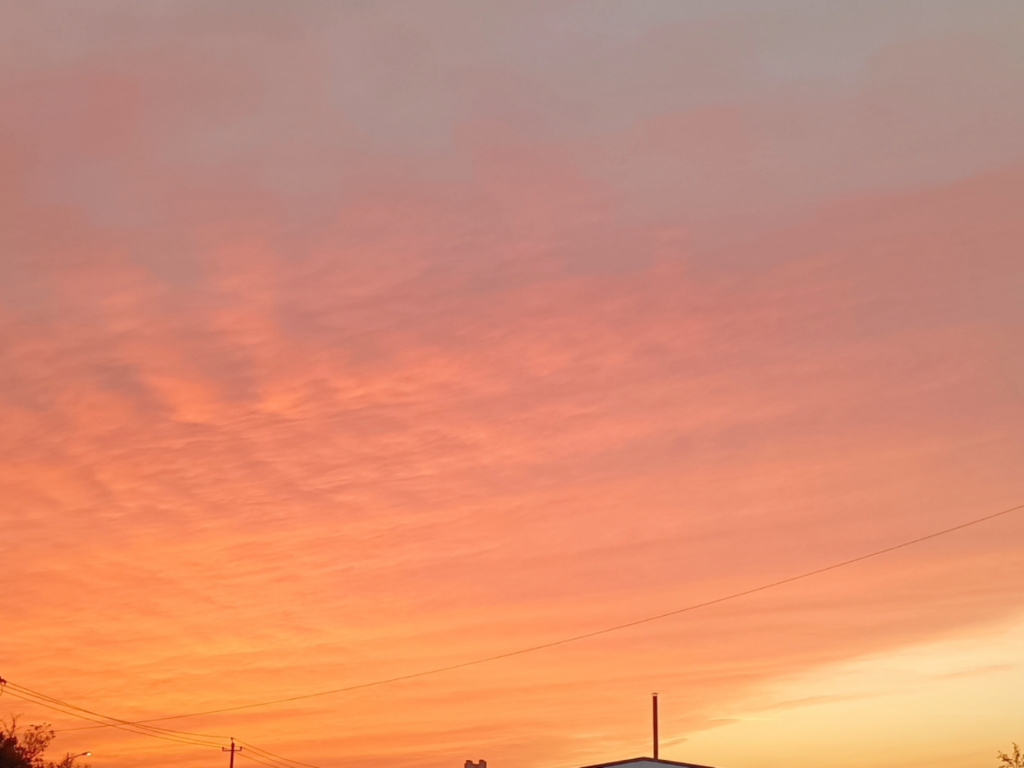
(26, 747)
(1013, 759)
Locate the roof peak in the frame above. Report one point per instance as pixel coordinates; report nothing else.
(658, 761)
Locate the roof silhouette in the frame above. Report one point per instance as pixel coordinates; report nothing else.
(646, 760)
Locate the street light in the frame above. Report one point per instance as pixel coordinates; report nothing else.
(71, 757)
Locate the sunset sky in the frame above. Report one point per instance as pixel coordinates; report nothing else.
(341, 341)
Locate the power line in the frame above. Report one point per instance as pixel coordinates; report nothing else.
(115, 720)
(594, 633)
(272, 755)
(166, 734)
(267, 758)
(249, 756)
(137, 731)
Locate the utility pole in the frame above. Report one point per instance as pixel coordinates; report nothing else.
(232, 750)
(654, 713)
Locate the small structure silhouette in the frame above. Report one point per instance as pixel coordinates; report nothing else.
(480, 764)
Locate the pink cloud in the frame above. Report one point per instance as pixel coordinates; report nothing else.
(292, 401)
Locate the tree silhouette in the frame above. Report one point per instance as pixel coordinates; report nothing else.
(26, 747)
(1014, 759)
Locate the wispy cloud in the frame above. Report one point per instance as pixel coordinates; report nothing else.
(338, 343)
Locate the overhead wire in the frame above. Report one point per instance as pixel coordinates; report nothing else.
(593, 633)
(115, 720)
(273, 755)
(272, 764)
(141, 727)
(181, 737)
(78, 712)
(129, 729)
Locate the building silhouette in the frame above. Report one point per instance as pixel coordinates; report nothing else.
(646, 762)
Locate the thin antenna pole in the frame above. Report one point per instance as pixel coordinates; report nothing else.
(654, 713)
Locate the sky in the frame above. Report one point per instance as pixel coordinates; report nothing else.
(342, 341)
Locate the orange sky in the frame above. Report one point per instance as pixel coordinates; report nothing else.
(342, 341)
